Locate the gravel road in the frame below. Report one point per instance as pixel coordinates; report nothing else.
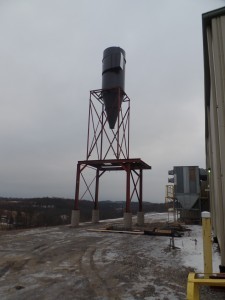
(75, 263)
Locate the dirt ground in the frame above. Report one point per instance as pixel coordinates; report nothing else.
(75, 263)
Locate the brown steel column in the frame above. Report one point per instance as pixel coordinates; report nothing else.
(140, 189)
(76, 207)
(96, 189)
(128, 188)
(88, 135)
(118, 125)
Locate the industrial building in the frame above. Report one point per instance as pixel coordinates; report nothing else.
(214, 73)
(190, 196)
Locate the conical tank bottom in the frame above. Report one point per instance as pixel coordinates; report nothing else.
(113, 82)
(112, 106)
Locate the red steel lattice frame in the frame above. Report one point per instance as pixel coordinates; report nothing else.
(134, 178)
(101, 142)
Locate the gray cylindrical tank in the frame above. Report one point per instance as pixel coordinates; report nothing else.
(113, 76)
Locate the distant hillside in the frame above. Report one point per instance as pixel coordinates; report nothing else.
(57, 211)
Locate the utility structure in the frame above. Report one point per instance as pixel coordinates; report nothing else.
(214, 79)
(108, 140)
(170, 202)
(189, 195)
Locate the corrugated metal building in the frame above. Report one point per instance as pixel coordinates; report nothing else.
(189, 194)
(187, 187)
(214, 71)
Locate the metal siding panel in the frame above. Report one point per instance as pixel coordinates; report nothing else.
(179, 179)
(186, 179)
(192, 180)
(217, 65)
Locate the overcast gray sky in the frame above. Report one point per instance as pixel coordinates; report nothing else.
(50, 58)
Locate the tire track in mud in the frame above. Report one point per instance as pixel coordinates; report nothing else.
(88, 269)
(13, 267)
(4, 270)
(40, 248)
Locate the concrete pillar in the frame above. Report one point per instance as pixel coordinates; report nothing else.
(140, 218)
(127, 218)
(95, 215)
(75, 218)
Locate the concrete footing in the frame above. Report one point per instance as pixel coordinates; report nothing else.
(95, 215)
(140, 218)
(75, 218)
(127, 218)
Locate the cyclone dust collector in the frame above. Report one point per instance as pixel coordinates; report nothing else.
(113, 77)
(108, 146)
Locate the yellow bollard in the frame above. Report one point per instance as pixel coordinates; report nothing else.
(196, 280)
(192, 288)
(207, 243)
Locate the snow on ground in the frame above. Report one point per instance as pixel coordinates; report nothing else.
(62, 262)
(191, 251)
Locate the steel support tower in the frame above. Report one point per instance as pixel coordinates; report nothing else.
(108, 150)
